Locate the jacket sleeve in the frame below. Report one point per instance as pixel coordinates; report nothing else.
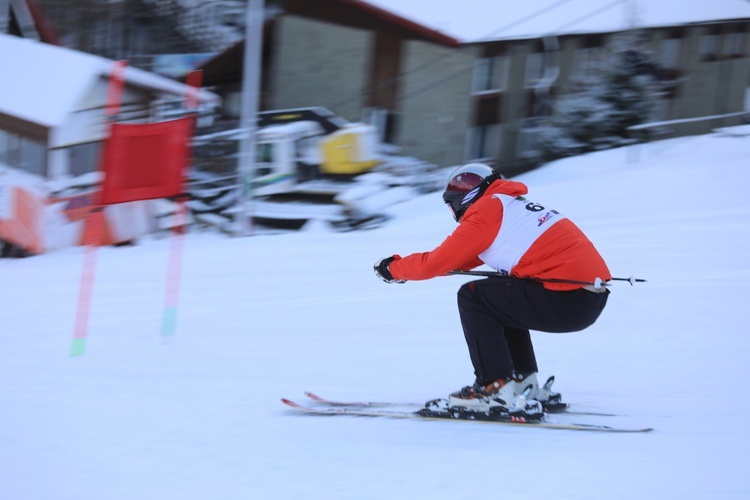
(460, 250)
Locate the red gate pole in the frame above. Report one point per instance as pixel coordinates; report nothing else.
(94, 223)
(92, 234)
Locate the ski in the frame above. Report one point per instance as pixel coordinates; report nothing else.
(384, 404)
(447, 415)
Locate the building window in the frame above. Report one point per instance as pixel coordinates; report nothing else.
(670, 53)
(709, 47)
(83, 158)
(490, 74)
(33, 157)
(483, 142)
(534, 69)
(4, 146)
(22, 153)
(734, 44)
(13, 150)
(487, 109)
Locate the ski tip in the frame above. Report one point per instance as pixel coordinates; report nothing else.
(313, 396)
(291, 403)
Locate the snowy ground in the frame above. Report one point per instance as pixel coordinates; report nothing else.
(270, 316)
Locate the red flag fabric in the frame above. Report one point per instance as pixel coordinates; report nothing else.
(145, 161)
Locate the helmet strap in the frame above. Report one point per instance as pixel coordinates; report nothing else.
(486, 183)
(480, 189)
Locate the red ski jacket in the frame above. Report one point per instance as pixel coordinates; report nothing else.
(510, 233)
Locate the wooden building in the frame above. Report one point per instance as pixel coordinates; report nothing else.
(449, 98)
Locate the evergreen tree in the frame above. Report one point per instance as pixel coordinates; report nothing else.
(597, 117)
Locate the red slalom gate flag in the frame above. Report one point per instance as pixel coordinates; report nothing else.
(145, 161)
(139, 162)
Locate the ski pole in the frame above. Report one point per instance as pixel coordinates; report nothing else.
(597, 283)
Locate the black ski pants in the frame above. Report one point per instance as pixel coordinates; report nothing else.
(497, 314)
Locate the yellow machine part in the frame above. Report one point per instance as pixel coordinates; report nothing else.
(347, 153)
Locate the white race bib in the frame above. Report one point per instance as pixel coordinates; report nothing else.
(523, 223)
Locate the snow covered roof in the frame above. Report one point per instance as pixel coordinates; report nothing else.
(485, 20)
(43, 83)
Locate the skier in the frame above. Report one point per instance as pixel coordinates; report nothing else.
(538, 247)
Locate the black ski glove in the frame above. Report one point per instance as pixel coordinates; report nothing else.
(382, 271)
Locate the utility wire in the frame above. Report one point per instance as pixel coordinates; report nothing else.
(441, 59)
(462, 71)
(498, 31)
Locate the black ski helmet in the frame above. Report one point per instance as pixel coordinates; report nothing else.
(466, 185)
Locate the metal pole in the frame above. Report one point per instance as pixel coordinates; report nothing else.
(494, 274)
(250, 97)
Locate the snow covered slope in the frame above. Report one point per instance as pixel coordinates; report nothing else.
(264, 317)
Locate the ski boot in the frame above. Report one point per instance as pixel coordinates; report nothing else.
(551, 401)
(499, 399)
